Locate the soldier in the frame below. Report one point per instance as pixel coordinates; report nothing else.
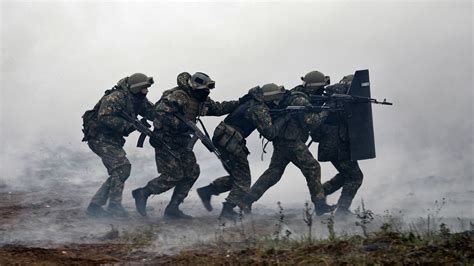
(290, 146)
(189, 98)
(334, 146)
(229, 137)
(104, 131)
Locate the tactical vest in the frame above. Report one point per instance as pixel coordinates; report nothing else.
(193, 109)
(239, 121)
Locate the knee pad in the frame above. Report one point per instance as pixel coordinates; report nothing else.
(123, 172)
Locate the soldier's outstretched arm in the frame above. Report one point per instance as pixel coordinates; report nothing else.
(220, 108)
(147, 110)
(312, 119)
(109, 113)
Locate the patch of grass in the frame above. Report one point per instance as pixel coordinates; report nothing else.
(389, 245)
(140, 237)
(365, 217)
(379, 248)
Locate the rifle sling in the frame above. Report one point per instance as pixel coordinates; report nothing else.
(203, 127)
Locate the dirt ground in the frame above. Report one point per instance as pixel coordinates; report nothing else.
(50, 227)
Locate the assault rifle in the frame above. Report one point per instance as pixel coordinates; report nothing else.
(143, 127)
(347, 99)
(206, 141)
(303, 109)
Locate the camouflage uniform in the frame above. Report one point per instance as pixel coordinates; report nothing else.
(290, 146)
(334, 146)
(178, 173)
(105, 138)
(229, 137)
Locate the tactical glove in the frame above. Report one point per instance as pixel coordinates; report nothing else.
(245, 98)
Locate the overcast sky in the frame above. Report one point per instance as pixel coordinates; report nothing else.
(59, 57)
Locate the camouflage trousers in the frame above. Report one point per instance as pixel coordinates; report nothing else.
(178, 173)
(298, 154)
(118, 167)
(239, 183)
(349, 179)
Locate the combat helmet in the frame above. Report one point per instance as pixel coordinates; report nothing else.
(315, 79)
(201, 81)
(200, 85)
(138, 82)
(272, 92)
(347, 80)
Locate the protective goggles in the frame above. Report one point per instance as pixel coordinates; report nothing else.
(147, 83)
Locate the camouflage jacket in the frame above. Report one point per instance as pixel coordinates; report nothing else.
(178, 100)
(333, 135)
(110, 125)
(298, 127)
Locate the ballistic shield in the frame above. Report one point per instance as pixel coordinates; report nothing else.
(359, 119)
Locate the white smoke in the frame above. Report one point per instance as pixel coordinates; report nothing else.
(59, 57)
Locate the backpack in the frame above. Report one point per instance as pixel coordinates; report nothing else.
(89, 118)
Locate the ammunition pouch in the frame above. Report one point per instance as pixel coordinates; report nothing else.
(229, 139)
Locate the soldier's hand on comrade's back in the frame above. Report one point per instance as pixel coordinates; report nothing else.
(245, 98)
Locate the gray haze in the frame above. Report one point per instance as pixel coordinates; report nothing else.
(58, 58)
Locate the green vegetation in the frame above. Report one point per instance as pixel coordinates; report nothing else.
(429, 240)
(378, 248)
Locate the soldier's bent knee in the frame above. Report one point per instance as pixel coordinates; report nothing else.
(358, 178)
(123, 172)
(196, 171)
(314, 166)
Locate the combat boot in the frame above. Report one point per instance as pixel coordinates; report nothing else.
(205, 194)
(321, 207)
(174, 213)
(246, 205)
(228, 212)
(95, 210)
(343, 212)
(117, 210)
(141, 196)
